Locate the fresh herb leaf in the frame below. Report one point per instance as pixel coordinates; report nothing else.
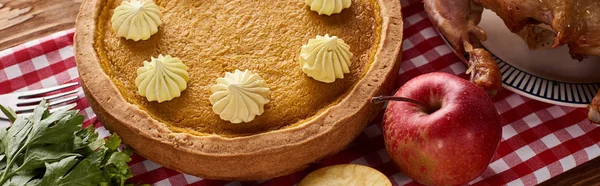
(119, 160)
(8, 112)
(16, 136)
(95, 144)
(84, 137)
(34, 182)
(56, 170)
(85, 173)
(3, 134)
(38, 112)
(127, 151)
(36, 157)
(114, 177)
(67, 122)
(113, 142)
(98, 156)
(20, 179)
(14, 145)
(116, 169)
(25, 130)
(2, 163)
(58, 152)
(62, 132)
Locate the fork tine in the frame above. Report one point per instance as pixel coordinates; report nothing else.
(58, 108)
(46, 90)
(37, 100)
(66, 100)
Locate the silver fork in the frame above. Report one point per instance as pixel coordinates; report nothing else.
(18, 99)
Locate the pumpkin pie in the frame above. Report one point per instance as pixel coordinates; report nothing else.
(304, 119)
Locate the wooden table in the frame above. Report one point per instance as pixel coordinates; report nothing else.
(23, 20)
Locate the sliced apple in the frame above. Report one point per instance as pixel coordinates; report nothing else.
(345, 175)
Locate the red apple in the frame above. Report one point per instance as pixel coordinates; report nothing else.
(446, 135)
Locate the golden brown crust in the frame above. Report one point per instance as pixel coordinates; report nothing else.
(259, 156)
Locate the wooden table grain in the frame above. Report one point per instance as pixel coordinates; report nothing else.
(23, 20)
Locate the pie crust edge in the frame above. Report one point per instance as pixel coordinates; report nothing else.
(260, 156)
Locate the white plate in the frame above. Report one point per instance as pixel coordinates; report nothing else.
(546, 75)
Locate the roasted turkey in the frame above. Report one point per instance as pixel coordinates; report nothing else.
(575, 23)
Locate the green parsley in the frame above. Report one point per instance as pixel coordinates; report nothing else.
(52, 149)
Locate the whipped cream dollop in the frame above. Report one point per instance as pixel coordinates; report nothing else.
(136, 19)
(162, 79)
(239, 96)
(328, 7)
(325, 58)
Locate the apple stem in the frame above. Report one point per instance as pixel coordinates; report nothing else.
(382, 99)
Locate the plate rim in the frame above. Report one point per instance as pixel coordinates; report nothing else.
(563, 102)
(538, 97)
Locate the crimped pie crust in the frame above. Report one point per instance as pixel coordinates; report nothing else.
(258, 156)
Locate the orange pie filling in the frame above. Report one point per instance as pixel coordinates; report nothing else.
(264, 37)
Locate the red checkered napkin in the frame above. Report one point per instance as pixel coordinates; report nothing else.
(539, 140)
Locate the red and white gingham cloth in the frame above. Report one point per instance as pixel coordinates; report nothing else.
(539, 140)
